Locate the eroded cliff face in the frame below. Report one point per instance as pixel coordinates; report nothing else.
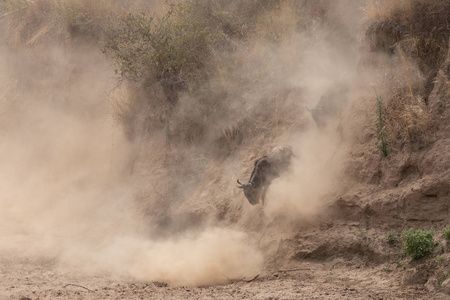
(138, 179)
(410, 187)
(411, 183)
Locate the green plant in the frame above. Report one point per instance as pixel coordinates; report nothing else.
(362, 234)
(438, 248)
(446, 233)
(387, 269)
(364, 240)
(381, 126)
(417, 242)
(392, 238)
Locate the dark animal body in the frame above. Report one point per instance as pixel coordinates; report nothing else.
(266, 169)
(330, 106)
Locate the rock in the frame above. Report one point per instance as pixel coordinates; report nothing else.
(415, 276)
(432, 284)
(445, 286)
(352, 223)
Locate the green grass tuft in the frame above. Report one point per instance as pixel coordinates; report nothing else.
(381, 126)
(417, 242)
(446, 233)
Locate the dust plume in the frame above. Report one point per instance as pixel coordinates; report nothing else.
(303, 191)
(145, 187)
(66, 192)
(280, 86)
(326, 77)
(213, 256)
(321, 82)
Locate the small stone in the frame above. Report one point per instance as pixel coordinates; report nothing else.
(431, 284)
(445, 286)
(352, 223)
(415, 276)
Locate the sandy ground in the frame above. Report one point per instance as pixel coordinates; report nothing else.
(25, 279)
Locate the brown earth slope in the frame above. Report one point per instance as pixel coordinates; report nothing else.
(129, 192)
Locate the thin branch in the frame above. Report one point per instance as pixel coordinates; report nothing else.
(291, 270)
(11, 12)
(257, 275)
(229, 279)
(78, 286)
(296, 269)
(264, 231)
(250, 280)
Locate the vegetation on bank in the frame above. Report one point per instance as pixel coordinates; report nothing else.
(230, 62)
(414, 38)
(220, 56)
(211, 53)
(32, 23)
(417, 243)
(215, 51)
(383, 144)
(446, 233)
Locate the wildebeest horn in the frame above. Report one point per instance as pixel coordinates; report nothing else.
(241, 185)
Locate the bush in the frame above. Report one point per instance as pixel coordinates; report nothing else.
(423, 24)
(173, 49)
(417, 242)
(381, 127)
(413, 37)
(30, 23)
(392, 238)
(183, 46)
(446, 233)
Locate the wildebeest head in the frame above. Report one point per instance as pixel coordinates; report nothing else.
(254, 188)
(266, 169)
(250, 191)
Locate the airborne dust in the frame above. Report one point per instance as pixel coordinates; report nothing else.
(67, 191)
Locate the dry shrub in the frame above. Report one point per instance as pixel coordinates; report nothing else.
(441, 92)
(30, 23)
(412, 37)
(46, 21)
(408, 119)
(203, 55)
(420, 27)
(380, 11)
(123, 108)
(275, 25)
(233, 136)
(221, 64)
(172, 49)
(84, 17)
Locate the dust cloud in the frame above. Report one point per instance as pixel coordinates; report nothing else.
(317, 69)
(66, 193)
(213, 256)
(304, 191)
(326, 75)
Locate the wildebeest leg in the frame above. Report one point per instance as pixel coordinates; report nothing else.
(263, 196)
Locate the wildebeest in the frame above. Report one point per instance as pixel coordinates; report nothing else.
(330, 105)
(266, 169)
